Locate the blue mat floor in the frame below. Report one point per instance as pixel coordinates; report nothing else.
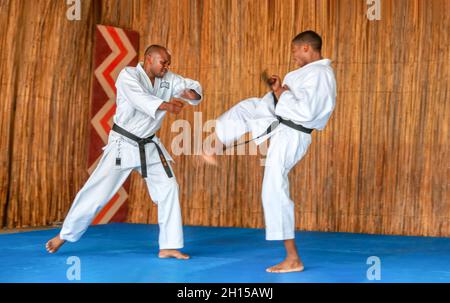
(128, 253)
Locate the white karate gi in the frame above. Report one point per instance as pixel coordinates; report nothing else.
(137, 112)
(309, 102)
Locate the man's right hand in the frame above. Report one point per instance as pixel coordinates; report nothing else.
(274, 82)
(173, 106)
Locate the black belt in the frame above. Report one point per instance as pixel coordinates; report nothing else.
(141, 142)
(288, 122)
(295, 126)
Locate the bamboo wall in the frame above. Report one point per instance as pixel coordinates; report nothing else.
(378, 167)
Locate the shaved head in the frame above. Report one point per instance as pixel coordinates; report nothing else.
(152, 49)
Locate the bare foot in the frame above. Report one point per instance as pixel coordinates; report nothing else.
(209, 154)
(209, 159)
(54, 244)
(287, 266)
(172, 253)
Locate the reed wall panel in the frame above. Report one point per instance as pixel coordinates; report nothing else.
(378, 167)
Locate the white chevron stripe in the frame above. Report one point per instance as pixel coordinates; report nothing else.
(99, 116)
(131, 52)
(101, 68)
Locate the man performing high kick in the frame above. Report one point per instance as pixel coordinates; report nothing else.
(144, 95)
(288, 115)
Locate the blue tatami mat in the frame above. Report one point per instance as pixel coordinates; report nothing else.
(128, 253)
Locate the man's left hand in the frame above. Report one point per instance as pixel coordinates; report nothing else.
(190, 94)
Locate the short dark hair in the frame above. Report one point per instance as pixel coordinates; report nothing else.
(309, 37)
(153, 48)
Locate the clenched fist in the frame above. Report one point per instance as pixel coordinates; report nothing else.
(275, 84)
(174, 106)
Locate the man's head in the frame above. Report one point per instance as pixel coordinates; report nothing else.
(306, 47)
(156, 61)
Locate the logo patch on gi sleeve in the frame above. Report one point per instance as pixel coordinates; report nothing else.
(164, 84)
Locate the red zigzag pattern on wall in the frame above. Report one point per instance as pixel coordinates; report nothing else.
(115, 49)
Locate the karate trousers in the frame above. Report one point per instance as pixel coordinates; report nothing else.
(286, 148)
(106, 180)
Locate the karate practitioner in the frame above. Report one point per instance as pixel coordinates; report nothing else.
(288, 114)
(145, 94)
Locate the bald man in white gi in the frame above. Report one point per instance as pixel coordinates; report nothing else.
(145, 94)
(294, 108)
